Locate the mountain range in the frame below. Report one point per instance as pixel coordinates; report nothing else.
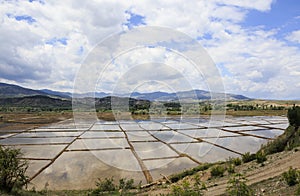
(15, 91)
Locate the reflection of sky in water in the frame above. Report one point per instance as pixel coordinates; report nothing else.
(65, 153)
(211, 132)
(266, 133)
(171, 136)
(239, 144)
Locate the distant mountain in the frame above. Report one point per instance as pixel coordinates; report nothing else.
(91, 94)
(14, 91)
(9, 91)
(154, 96)
(48, 103)
(36, 101)
(186, 96)
(57, 93)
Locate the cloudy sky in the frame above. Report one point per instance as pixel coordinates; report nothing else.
(255, 44)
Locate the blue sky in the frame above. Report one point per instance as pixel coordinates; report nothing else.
(282, 17)
(255, 44)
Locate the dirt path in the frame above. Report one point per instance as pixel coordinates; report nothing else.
(275, 166)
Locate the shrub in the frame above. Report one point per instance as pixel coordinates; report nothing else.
(217, 171)
(186, 189)
(231, 169)
(294, 116)
(237, 186)
(247, 157)
(177, 177)
(298, 190)
(199, 185)
(125, 185)
(261, 157)
(108, 186)
(236, 161)
(12, 169)
(291, 177)
(275, 146)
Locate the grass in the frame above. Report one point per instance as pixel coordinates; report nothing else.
(217, 171)
(176, 177)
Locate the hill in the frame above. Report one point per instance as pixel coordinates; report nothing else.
(34, 102)
(41, 102)
(190, 95)
(57, 93)
(10, 90)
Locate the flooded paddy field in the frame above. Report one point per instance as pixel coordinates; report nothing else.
(65, 156)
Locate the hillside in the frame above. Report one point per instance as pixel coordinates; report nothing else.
(263, 174)
(10, 90)
(41, 102)
(190, 95)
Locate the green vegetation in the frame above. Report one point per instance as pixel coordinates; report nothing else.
(237, 186)
(217, 171)
(231, 168)
(291, 177)
(12, 170)
(247, 157)
(108, 187)
(260, 157)
(290, 138)
(249, 107)
(236, 161)
(294, 116)
(173, 106)
(298, 190)
(176, 177)
(187, 189)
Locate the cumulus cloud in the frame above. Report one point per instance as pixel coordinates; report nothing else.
(294, 36)
(43, 43)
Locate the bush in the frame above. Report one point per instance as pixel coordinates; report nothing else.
(298, 190)
(231, 169)
(261, 157)
(237, 186)
(247, 157)
(294, 116)
(108, 186)
(275, 146)
(236, 161)
(291, 177)
(125, 185)
(186, 189)
(199, 185)
(177, 177)
(217, 171)
(12, 169)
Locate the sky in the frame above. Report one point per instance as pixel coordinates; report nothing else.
(254, 44)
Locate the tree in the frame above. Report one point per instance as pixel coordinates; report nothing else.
(294, 116)
(12, 169)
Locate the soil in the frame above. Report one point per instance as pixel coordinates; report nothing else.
(264, 179)
(23, 121)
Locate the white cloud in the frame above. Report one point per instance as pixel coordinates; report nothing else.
(250, 4)
(255, 61)
(294, 36)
